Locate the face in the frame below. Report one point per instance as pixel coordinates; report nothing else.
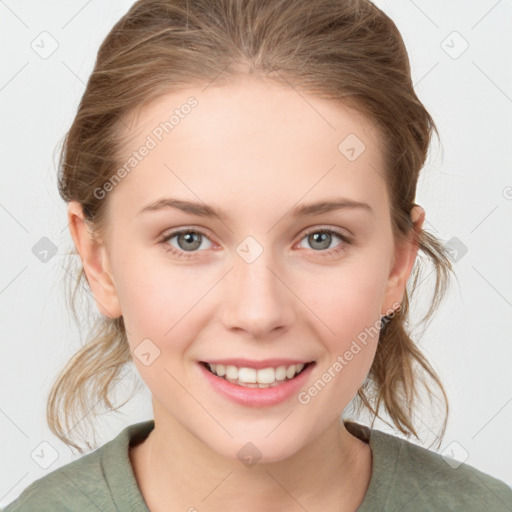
(265, 283)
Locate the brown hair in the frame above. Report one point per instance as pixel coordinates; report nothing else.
(344, 50)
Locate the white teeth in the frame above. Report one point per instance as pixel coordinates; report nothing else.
(290, 371)
(250, 377)
(231, 372)
(247, 375)
(281, 373)
(265, 376)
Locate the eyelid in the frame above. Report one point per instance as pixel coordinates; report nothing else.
(338, 231)
(186, 229)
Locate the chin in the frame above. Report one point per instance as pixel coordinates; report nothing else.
(257, 449)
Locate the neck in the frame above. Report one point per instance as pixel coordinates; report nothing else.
(176, 471)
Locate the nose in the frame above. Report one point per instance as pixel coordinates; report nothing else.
(257, 297)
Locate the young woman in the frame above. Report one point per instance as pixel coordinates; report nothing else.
(241, 182)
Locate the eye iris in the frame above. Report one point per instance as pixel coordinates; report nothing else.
(322, 237)
(189, 239)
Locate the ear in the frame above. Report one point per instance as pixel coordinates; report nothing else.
(404, 258)
(95, 262)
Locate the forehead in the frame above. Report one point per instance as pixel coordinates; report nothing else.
(248, 140)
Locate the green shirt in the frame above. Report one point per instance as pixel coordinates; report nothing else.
(405, 477)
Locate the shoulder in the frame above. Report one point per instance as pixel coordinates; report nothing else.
(425, 479)
(78, 482)
(92, 482)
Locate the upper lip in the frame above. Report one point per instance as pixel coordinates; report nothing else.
(265, 363)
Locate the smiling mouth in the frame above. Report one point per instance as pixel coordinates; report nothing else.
(256, 378)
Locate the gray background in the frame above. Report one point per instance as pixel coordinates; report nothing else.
(465, 188)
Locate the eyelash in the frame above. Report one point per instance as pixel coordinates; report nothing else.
(187, 255)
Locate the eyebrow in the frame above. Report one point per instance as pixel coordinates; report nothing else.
(304, 210)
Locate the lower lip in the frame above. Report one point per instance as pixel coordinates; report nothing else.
(257, 397)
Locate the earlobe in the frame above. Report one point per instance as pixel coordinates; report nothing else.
(95, 262)
(404, 258)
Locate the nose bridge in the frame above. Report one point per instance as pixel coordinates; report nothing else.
(258, 301)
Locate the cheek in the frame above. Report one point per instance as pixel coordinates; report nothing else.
(153, 295)
(346, 299)
(163, 308)
(346, 304)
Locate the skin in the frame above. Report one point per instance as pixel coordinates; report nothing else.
(255, 149)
